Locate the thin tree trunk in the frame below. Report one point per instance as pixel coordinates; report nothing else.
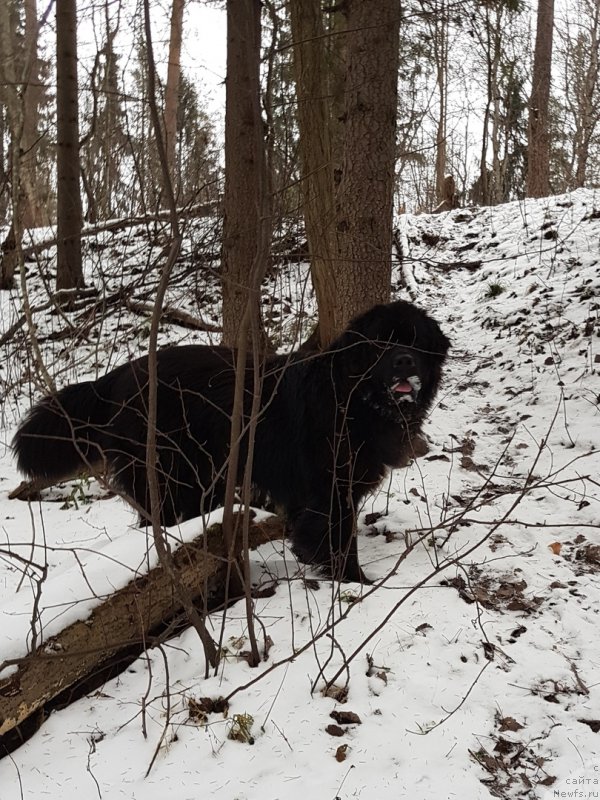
(588, 101)
(538, 158)
(484, 191)
(245, 168)
(495, 189)
(111, 132)
(14, 111)
(69, 214)
(316, 155)
(34, 212)
(440, 34)
(172, 88)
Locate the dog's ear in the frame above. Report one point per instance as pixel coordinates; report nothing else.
(399, 322)
(438, 343)
(371, 325)
(408, 325)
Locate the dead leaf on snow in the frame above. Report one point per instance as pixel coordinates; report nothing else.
(590, 554)
(346, 717)
(341, 752)
(594, 724)
(338, 693)
(509, 724)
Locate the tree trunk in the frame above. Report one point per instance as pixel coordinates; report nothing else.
(587, 91)
(135, 617)
(245, 166)
(538, 156)
(316, 155)
(347, 157)
(440, 39)
(172, 89)
(4, 167)
(13, 109)
(69, 273)
(364, 202)
(34, 211)
(491, 63)
(495, 189)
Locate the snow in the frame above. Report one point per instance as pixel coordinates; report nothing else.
(473, 663)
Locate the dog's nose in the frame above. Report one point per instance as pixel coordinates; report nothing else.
(404, 361)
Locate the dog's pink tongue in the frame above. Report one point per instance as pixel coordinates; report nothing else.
(402, 387)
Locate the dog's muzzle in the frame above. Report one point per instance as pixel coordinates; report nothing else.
(406, 390)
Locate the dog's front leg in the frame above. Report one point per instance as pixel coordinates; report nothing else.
(325, 535)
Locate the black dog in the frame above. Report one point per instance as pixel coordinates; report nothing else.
(329, 426)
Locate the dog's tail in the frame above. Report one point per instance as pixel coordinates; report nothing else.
(63, 435)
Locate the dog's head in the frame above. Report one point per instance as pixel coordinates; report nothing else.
(396, 378)
(393, 356)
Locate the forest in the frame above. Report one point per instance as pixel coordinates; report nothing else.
(300, 381)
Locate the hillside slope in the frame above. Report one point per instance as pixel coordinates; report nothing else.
(474, 668)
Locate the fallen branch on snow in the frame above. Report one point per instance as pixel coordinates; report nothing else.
(118, 629)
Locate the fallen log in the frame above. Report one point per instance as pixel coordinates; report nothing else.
(200, 210)
(175, 315)
(30, 489)
(116, 632)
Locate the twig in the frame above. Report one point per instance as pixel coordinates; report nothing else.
(91, 751)
(454, 710)
(168, 696)
(162, 546)
(527, 487)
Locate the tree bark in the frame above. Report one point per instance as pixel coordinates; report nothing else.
(316, 155)
(127, 622)
(69, 214)
(34, 211)
(538, 157)
(584, 86)
(347, 157)
(364, 202)
(14, 111)
(245, 166)
(172, 89)
(440, 43)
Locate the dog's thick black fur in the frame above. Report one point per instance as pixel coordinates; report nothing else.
(329, 426)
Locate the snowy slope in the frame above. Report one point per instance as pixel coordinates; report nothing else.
(474, 667)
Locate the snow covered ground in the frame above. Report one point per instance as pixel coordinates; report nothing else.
(473, 667)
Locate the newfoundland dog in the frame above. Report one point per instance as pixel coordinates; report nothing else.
(329, 426)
